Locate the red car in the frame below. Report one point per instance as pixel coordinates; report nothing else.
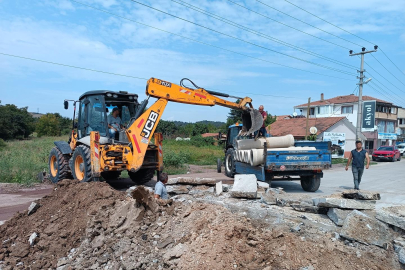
(388, 153)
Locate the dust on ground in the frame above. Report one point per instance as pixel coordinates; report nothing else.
(92, 226)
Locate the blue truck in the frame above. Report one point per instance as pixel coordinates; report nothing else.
(281, 165)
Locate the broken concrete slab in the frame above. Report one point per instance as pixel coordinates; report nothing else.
(399, 247)
(309, 208)
(344, 203)
(244, 186)
(226, 187)
(337, 215)
(364, 229)
(361, 195)
(261, 184)
(194, 181)
(394, 215)
(33, 208)
(218, 188)
(180, 189)
(268, 198)
(172, 181)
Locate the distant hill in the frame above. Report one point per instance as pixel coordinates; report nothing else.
(216, 124)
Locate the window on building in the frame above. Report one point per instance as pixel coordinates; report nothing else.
(390, 127)
(347, 109)
(393, 110)
(312, 111)
(369, 145)
(401, 121)
(323, 110)
(381, 126)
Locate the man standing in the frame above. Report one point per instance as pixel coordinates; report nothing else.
(262, 130)
(358, 155)
(114, 122)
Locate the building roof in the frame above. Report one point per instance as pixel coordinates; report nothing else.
(297, 126)
(341, 99)
(280, 117)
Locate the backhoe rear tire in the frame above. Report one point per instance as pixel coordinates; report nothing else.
(81, 164)
(112, 175)
(230, 169)
(142, 176)
(310, 183)
(58, 165)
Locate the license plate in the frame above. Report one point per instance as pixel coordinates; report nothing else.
(380, 156)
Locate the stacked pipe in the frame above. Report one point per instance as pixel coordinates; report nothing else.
(252, 151)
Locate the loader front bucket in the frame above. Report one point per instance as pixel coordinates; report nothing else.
(252, 121)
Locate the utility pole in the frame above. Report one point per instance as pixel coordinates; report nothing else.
(361, 71)
(306, 129)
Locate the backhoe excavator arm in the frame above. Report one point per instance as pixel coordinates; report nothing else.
(142, 129)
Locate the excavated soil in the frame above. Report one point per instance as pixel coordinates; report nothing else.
(92, 226)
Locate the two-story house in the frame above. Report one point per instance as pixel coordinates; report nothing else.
(385, 117)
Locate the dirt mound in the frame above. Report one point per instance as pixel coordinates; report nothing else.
(60, 224)
(91, 226)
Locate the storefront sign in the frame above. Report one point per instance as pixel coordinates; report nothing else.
(368, 116)
(387, 136)
(338, 143)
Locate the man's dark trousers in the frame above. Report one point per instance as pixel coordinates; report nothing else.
(357, 174)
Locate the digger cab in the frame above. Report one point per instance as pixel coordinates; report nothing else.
(95, 106)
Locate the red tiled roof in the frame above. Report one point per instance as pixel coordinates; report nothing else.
(280, 117)
(210, 135)
(341, 99)
(296, 126)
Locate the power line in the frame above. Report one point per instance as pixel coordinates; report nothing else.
(117, 74)
(387, 69)
(392, 62)
(288, 25)
(382, 77)
(245, 41)
(217, 17)
(205, 43)
(308, 23)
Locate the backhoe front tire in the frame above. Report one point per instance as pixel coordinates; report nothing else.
(310, 183)
(81, 164)
(142, 176)
(58, 165)
(230, 169)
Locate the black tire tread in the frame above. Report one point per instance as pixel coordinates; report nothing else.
(232, 172)
(310, 183)
(63, 165)
(142, 176)
(111, 175)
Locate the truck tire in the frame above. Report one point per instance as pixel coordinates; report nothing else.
(112, 175)
(142, 176)
(58, 165)
(310, 183)
(81, 164)
(219, 164)
(230, 169)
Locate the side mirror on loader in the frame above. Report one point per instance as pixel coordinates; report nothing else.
(66, 104)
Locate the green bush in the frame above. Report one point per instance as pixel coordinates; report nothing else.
(177, 160)
(200, 141)
(15, 123)
(2, 144)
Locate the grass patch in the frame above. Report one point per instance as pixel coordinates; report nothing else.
(344, 161)
(21, 161)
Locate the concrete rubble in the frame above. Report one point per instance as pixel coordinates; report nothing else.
(344, 203)
(392, 215)
(361, 195)
(309, 208)
(218, 188)
(337, 215)
(33, 208)
(399, 247)
(178, 189)
(244, 186)
(364, 229)
(192, 181)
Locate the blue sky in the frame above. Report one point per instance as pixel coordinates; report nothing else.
(70, 33)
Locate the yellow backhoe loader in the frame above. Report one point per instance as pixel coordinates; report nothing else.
(92, 152)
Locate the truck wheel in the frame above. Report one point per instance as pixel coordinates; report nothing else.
(142, 176)
(230, 169)
(81, 162)
(58, 165)
(219, 164)
(310, 183)
(112, 175)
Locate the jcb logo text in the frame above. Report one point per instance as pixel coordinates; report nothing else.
(150, 123)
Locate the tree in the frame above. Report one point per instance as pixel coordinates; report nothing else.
(48, 125)
(15, 123)
(167, 128)
(199, 129)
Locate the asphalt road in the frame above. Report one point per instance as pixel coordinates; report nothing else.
(388, 178)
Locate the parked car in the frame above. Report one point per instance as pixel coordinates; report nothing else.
(401, 148)
(388, 153)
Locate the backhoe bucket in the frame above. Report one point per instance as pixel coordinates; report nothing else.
(252, 121)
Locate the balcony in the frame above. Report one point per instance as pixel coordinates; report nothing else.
(383, 115)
